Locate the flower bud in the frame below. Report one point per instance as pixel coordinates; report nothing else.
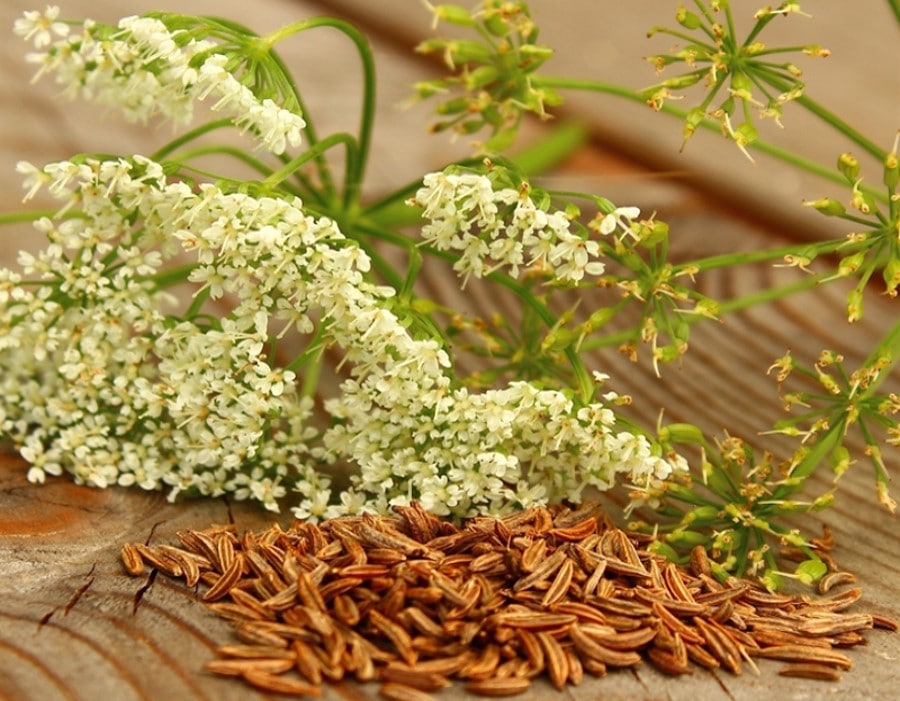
(891, 175)
(703, 515)
(657, 547)
(848, 165)
(682, 81)
(854, 305)
(686, 539)
(891, 275)
(534, 55)
(480, 77)
(454, 14)
(681, 433)
(686, 18)
(827, 206)
(691, 121)
(850, 264)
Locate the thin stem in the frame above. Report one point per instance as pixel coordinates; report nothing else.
(217, 150)
(18, 217)
(895, 8)
(189, 136)
(354, 178)
(283, 173)
(727, 260)
(770, 295)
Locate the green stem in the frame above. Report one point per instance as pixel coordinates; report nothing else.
(728, 260)
(189, 136)
(354, 178)
(18, 217)
(770, 295)
(283, 173)
(173, 276)
(895, 8)
(218, 150)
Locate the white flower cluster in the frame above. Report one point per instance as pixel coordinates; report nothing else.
(144, 70)
(495, 228)
(465, 453)
(98, 381)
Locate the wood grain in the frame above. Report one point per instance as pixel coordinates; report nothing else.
(74, 626)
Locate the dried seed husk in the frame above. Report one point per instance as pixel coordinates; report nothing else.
(237, 667)
(392, 691)
(414, 677)
(805, 653)
(414, 601)
(132, 560)
(510, 686)
(279, 684)
(810, 670)
(227, 581)
(555, 657)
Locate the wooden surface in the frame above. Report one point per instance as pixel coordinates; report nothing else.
(73, 626)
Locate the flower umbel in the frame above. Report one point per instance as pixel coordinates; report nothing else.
(106, 385)
(741, 72)
(145, 69)
(493, 73)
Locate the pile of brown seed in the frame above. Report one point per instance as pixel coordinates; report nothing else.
(414, 602)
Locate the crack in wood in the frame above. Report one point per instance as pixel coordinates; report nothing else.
(139, 594)
(721, 683)
(231, 520)
(45, 619)
(152, 532)
(637, 677)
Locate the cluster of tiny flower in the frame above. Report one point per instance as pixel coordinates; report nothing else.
(495, 228)
(143, 70)
(99, 382)
(462, 453)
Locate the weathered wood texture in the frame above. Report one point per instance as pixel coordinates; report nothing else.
(74, 626)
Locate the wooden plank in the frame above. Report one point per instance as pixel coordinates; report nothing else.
(74, 626)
